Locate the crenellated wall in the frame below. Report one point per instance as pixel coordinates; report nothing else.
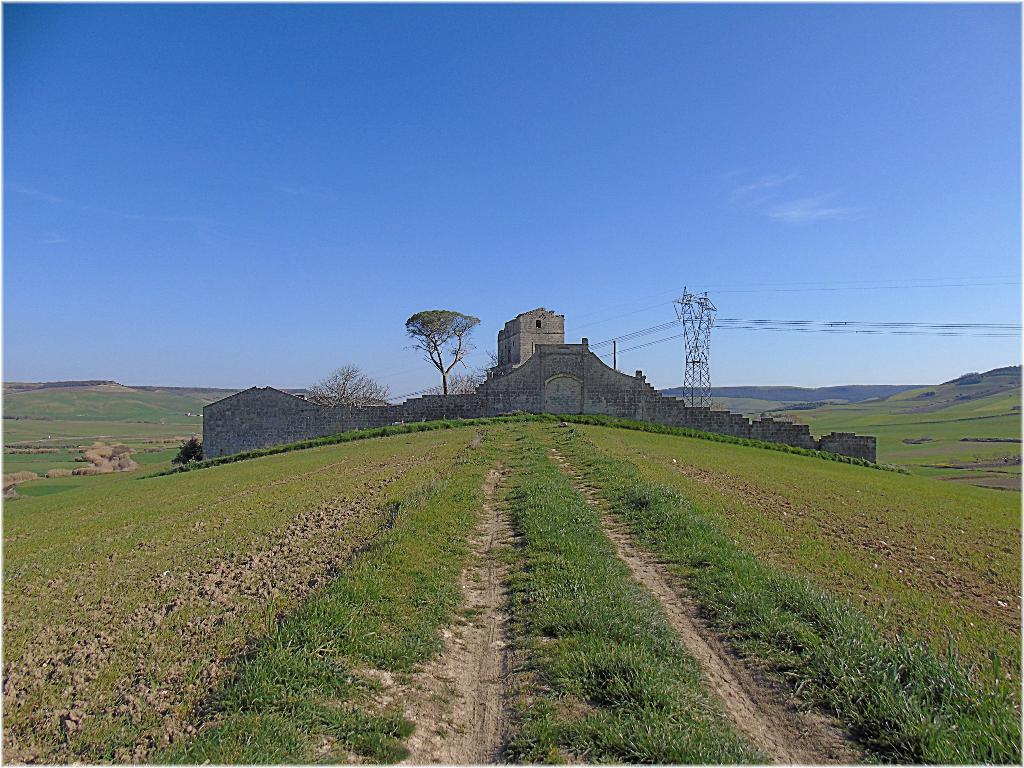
(557, 378)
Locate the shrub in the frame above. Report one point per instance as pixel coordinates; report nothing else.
(191, 450)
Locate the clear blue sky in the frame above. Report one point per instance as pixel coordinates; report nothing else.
(250, 195)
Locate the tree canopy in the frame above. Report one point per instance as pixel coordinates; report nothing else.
(441, 334)
(348, 385)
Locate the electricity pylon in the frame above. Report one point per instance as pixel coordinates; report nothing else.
(697, 314)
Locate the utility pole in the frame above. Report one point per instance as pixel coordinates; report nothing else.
(697, 314)
(615, 354)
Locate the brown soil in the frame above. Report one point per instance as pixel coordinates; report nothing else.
(762, 711)
(458, 701)
(1002, 481)
(198, 606)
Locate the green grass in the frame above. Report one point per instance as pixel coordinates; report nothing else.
(71, 432)
(618, 686)
(519, 418)
(303, 695)
(348, 437)
(646, 426)
(79, 565)
(904, 702)
(847, 581)
(70, 417)
(104, 403)
(903, 417)
(40, 463)
(926, 559)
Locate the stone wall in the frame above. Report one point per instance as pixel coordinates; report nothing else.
(557, 378)
(849, 444)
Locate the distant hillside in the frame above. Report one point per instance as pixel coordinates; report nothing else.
(967, 429)
(754, 400)
(28, 386)
(848, 393)
(108, 400)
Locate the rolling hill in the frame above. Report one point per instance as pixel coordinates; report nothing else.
(340, 604)
(967, 429)
(754, 400)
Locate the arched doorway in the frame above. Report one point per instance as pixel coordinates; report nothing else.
(563, 394)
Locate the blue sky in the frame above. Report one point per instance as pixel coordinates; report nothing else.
(250, 195)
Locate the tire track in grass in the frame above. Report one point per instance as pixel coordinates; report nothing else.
(599, 675)
(781, 731)
(328, 684)
(457, 702)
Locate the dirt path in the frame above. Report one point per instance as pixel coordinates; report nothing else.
(760, 710)
(457, 701)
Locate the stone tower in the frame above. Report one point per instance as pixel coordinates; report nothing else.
(521, 335)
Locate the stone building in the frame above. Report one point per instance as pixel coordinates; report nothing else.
(537, 372)
(521, 336)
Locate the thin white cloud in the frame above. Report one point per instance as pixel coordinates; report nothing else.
(772, 195)
(771, 181)
(805, 209)
(36, 194)
(53, 240)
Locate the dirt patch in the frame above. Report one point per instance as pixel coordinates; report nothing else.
(762, 711)
(1001, 482)
(990, 440)
(458, 701)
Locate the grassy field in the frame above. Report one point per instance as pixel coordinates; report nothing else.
(907, 701)
(930, 559)
(618, 685)
(924, 430)
(274, 609)
(46, 428)
(149, 586)
(104, 403)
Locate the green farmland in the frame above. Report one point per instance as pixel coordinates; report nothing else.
(47, 426)
(316, 605)
(967, 433)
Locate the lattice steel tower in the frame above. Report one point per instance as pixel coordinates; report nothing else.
(697, 314)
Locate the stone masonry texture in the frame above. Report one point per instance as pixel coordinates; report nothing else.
(553, 378)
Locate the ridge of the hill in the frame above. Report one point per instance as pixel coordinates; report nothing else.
(850, 393)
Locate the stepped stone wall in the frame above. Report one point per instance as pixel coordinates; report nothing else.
(555, 378)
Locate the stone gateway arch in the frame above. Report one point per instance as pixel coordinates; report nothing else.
(537, 372)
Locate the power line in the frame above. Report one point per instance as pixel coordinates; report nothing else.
(819, 325)
(815, 286)
(983, 330)
(874, 324)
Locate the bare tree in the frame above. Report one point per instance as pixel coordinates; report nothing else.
(441, 333)
(458, 384)
(348, 386)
